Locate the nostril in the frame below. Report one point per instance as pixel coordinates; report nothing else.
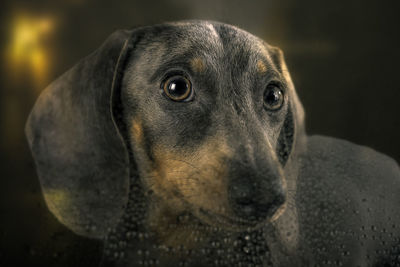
(253, 204)
(241, 192)
(245, 200)
(248, 210)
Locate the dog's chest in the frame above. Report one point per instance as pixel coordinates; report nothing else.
(226, 250)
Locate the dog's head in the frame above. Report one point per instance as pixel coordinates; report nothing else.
(203, 113)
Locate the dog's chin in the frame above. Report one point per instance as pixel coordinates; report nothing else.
(226, 222)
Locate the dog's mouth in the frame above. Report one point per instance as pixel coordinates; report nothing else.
(227, 222)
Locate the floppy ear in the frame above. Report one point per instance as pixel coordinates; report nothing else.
(292, 136)
(80, 155)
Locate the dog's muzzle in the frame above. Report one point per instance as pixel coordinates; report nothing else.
(255, 195)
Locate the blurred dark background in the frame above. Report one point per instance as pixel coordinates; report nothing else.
(343, 56)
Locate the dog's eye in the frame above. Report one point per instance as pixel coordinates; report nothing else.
(178, 88)
(273, 97)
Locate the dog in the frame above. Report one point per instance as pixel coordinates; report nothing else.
(183, 144)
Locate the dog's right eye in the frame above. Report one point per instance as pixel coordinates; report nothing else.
(178, 88)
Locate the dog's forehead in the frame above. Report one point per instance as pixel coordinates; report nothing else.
(204, 42)
(200, 33)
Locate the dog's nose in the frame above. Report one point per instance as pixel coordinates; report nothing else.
(254, 204)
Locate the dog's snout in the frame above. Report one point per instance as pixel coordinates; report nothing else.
(241, 195)
(253, 202)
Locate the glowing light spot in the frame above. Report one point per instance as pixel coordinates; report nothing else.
(27, 47)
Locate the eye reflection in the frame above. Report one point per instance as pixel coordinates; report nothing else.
(178, 88)
(273, 97)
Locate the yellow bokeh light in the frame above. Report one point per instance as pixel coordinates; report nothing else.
(27, 50)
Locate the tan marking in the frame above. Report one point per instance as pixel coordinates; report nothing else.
(195, 177)
(187, 182)
(261, 67)
(57, 200)
(137, 130)
(197, 64)
(262, 48)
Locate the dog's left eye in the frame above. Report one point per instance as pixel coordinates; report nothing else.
(178, 88)
(273, 97)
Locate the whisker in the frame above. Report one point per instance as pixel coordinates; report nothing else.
(183, 161)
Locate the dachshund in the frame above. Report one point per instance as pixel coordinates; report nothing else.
(184, 144)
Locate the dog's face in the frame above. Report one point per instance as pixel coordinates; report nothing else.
(204, 106)
(204, 112)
